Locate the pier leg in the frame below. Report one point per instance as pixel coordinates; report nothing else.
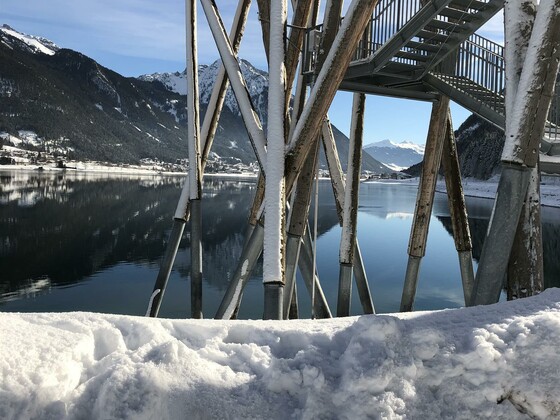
(275, 197)
(337, 181)
(297, 223)
(458, 209)
(350, 209)
(425, 200)
(521, 150)
(525, 269)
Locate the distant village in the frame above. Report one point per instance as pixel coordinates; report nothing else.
(62, 159)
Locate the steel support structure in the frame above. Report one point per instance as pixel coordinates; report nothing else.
(521, 151)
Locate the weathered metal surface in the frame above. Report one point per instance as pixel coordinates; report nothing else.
(496, 250)
(425, 199)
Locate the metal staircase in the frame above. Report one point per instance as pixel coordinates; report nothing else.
(403, 51)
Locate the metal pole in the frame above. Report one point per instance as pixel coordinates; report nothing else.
(350, 210)
(195, 173)
(523, 135)
(274, 202)
(458, 209)
(299, 214)
(424, 200)
(337, 181)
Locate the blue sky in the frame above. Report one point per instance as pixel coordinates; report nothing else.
(136, 37)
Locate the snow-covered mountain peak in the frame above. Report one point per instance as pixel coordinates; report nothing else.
(418, 148)
(257, 83)
(35, 44)
(396, 156)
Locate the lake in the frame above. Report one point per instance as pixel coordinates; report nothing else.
(93, 242)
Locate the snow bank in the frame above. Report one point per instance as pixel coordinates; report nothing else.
(496, 361)
(550, 189)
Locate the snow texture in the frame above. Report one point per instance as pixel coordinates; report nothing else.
(34, 43)
(499, 361)
(257, 84)
(274, 181)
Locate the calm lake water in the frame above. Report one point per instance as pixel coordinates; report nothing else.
(86, 242)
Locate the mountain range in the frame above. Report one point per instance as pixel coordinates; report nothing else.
(65, 102)
(397, 156)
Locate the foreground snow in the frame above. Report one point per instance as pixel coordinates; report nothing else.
(498, 361)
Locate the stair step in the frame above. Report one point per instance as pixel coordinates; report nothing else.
(469, 4)
(431, 36)
(457, 14)
(445, 26)
(422, 46)
(413, 56)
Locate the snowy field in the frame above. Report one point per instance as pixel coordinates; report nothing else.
(499, 361)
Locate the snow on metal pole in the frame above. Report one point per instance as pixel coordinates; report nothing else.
(525, 269)
(337, 181)
(208, 131)
(233, 70)
(350, 209)
(274, 201)
(520, 154)
(424, 200)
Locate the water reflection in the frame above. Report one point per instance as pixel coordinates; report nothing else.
(479, 211)
(93, 242)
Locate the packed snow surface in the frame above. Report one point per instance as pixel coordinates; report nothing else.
(498, 361)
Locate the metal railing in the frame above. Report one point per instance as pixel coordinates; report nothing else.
(389, 17)
(479, 71)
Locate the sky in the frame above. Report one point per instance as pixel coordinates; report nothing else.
(134, 37)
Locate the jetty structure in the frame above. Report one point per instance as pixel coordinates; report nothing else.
(411, 49)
